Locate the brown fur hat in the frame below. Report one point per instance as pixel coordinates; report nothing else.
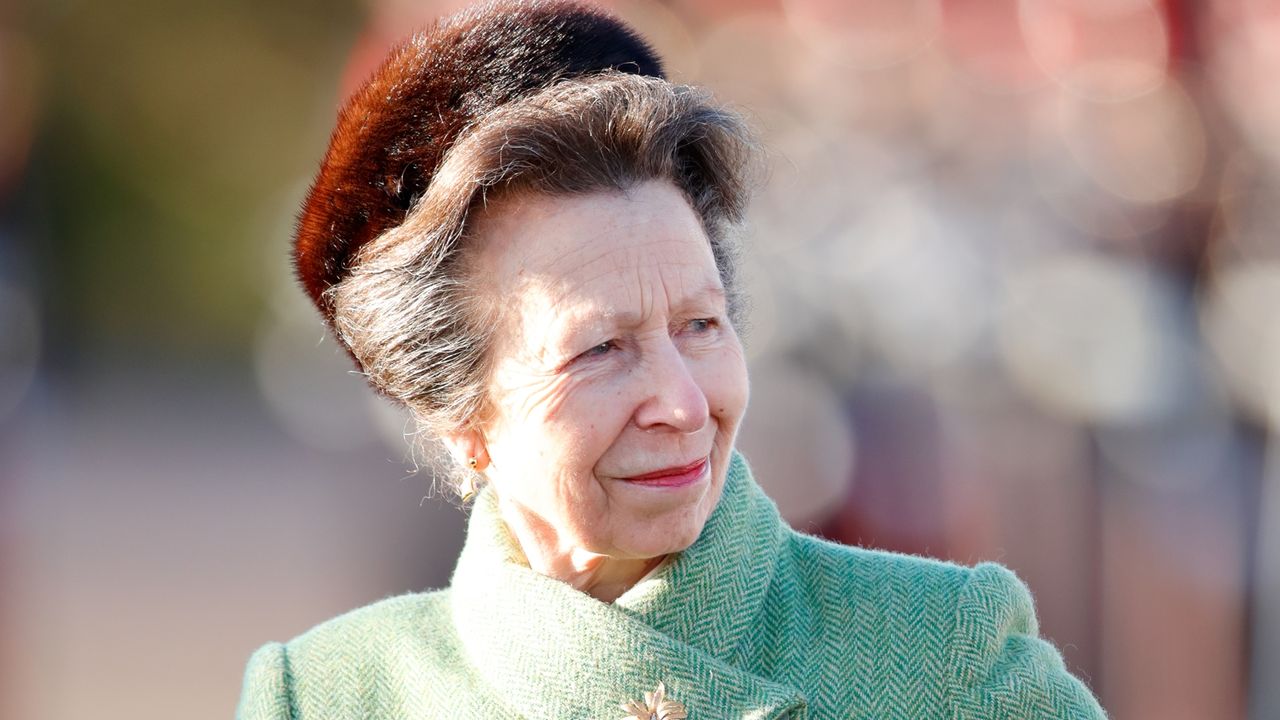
(394, 131)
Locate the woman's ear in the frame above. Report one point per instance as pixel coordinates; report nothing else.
(468, 448)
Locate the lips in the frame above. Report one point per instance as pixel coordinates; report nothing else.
(672, 476)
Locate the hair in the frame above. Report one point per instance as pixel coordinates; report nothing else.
(410, 312)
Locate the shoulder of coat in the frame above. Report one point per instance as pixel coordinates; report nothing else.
(386, 625)
(858, 572)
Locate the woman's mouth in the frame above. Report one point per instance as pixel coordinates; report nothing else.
(672, 476)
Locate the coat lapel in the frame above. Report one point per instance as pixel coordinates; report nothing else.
(548, 650)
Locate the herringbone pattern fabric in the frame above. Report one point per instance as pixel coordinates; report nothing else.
(752, 621)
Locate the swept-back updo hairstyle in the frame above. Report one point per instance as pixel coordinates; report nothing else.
(546, 97)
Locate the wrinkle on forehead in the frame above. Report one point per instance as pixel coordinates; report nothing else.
(566, 259)
(673, 277)
(505, 225)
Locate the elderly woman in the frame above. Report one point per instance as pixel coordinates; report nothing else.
(524, 234)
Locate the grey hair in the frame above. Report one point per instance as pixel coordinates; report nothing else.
(410, 312)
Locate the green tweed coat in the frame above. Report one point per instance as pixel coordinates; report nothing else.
(754, 620)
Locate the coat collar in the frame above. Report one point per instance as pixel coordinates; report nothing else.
(548, 650)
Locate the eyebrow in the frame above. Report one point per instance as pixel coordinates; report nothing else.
(711, 290)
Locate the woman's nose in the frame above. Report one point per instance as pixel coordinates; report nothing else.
(673, 397)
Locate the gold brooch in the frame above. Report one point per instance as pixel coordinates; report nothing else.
(656, 706)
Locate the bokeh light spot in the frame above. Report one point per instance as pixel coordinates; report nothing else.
(1238, 315)
(1089, 337)
(865, 34)
(800, 443)
(1101, 50)
(1148, 149)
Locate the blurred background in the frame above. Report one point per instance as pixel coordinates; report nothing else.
(1015, 284)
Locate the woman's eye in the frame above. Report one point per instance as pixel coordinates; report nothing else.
(600, 349)
(702, 325)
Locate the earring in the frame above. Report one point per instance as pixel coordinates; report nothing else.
(472, 462)
(468, 490)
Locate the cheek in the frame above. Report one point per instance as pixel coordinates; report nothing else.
(725, 384)
(594, 416)
(572, 424)
(525, 439)
(527, 399)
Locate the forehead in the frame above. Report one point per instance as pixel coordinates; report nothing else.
(572, 249)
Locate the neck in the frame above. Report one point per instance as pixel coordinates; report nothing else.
(603, 577)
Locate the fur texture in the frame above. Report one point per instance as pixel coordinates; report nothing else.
(393, 132)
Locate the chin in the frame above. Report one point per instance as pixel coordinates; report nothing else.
(681, 530)
(680, 542)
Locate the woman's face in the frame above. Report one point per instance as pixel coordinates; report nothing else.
(618, 383)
